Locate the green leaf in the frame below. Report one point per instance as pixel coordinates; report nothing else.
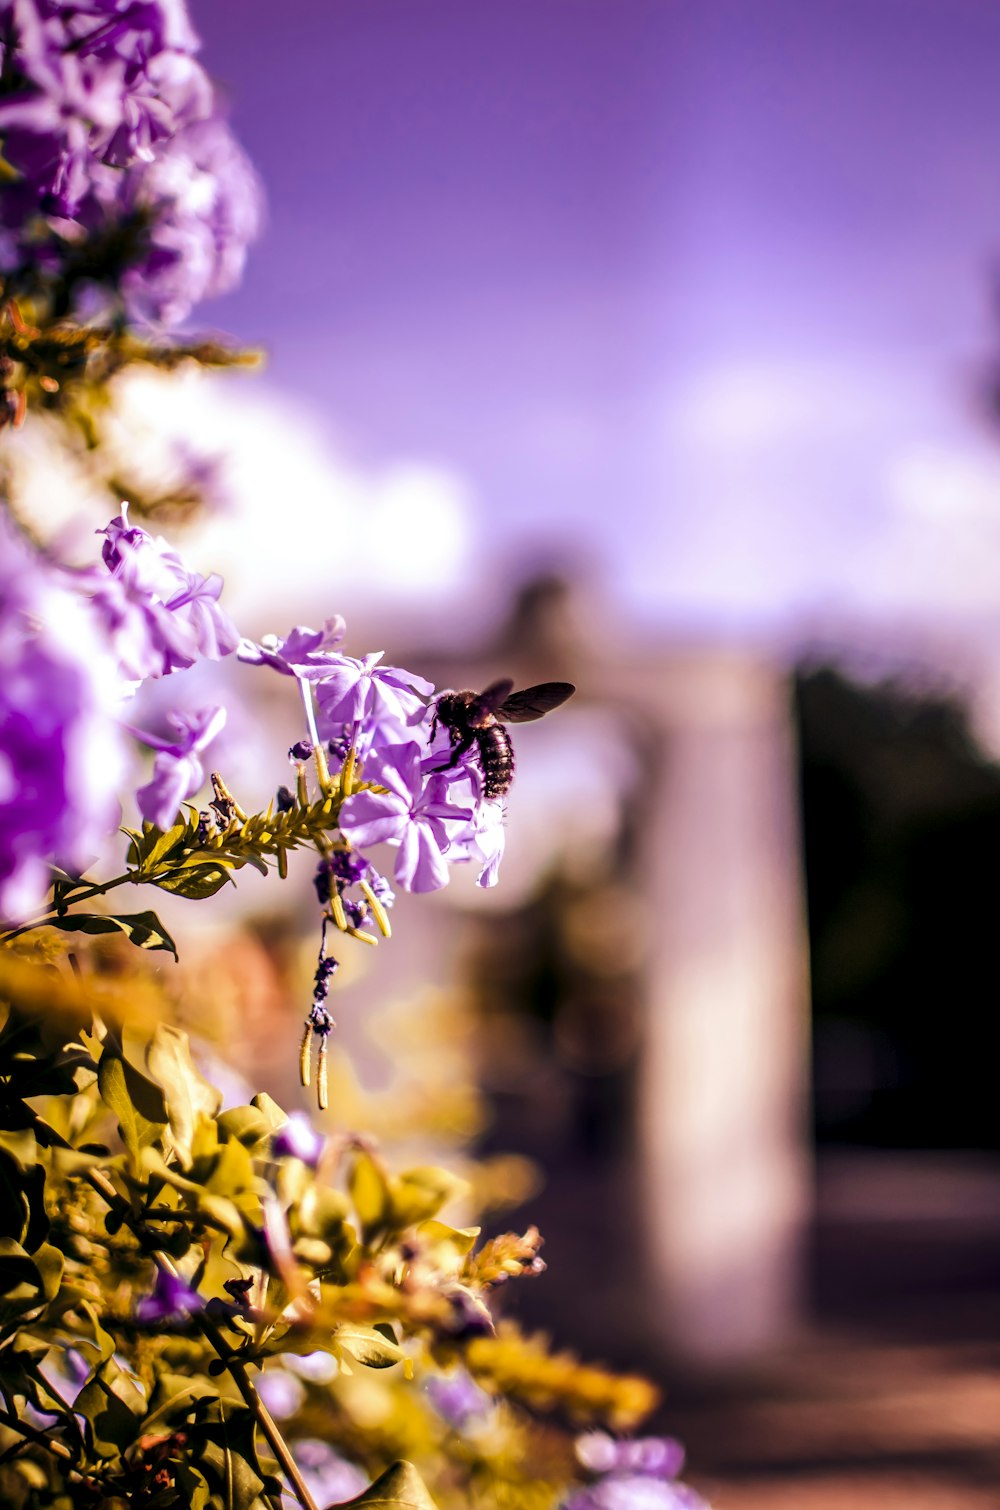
(27, 1280)
(144, 929)
(267, 1106)
(20, 1147)
(419, 1194)
(366, 1345)
(173, 1396)
(22, 1189)
(398, 1488)
(113, 1409)
(229, 1453)
(246, 1125)
(137, 1102)
(187, 1093)
(160, 847)
(102, 1341)
(194, 881)
(370, 1193)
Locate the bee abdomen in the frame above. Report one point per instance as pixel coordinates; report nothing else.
(496, 759)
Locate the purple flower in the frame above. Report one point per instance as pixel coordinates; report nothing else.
(363, 692)
(304, 654)
(654, 1457)
(177, 771)
(412, 813)
(329, 1478)
(171, 1302)
(199, 204)
(282, 1393)
(160, 615)
(634, 1475)
(125, 177)
(458, 1400)
(298, 1139)
(634, 1492)
(62, 755)
(488, 842)
(92, 83)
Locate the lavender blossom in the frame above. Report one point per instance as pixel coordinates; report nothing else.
(124, 176)
(281, 1392)
(329, 1478)
(199, 205)
(458, 1400)
(305, 653)
(653, 1457)
(298, 1139)
(489, 841)
(171, 1302)
(633, 1492)
(632, 1475)
(412, 813)
(159, 615)
(62, 754)
(177, 771)
(90, 84)
(361, 692)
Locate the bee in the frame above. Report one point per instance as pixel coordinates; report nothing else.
(478, 718)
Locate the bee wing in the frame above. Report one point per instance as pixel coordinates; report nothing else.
(534, 702)
(490, 700)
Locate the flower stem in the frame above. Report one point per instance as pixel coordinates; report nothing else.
(96, 890)
(37, 1438)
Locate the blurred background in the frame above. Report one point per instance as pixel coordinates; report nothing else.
(653, 345)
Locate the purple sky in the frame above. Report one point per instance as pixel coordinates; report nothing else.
(704, 284)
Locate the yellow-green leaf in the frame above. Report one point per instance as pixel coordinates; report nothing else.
(187, 1093)
(398, 1488)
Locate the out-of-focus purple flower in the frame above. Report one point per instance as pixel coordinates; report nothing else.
(171, 1302)
(458, 1400)
(62, 754)
(329, 1478)
(655, 1457)
(634, 1475)
(159, 615)
(318, 1367)
(304, 654)
(363, 692)
(125, 177)
(298, 1139)
(88, 84)
(412, 813)
(634, 1492)
(177, 771)
(282, 1393)
(199, 205)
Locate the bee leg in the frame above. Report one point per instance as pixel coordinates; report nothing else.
(462, 744)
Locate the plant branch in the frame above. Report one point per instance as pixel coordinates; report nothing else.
(96, 890)
(269, 1428)
(37, 1438)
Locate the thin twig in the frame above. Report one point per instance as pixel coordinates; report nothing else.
(36, 1438)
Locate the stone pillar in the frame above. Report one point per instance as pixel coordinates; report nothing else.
(723, 1128)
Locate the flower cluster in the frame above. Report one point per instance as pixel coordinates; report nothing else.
(119, 170)
(62, 754)
(73, 645)
(417, 796)
(640, 1474)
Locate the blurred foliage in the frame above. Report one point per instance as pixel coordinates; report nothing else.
(159, 1254)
